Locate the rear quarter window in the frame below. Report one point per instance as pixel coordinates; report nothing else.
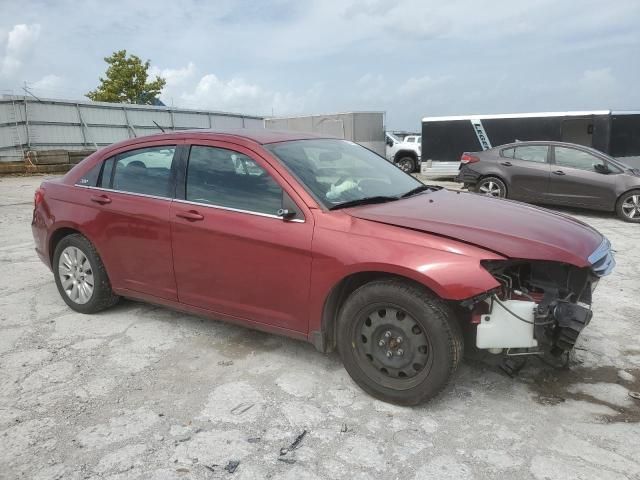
(507, 152)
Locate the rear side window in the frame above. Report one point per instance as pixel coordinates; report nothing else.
(225, 178)
(146, 171)
(507, 152)
(531, 153)
(90, 179)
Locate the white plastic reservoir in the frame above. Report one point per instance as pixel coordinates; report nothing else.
(500, 329)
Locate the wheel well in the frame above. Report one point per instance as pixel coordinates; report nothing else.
(339, 293)
(405, 153)
(624, 193)
(56, 237)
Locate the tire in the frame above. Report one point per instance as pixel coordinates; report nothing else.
(70, 267)
(428, 354)
(628, 206)
(492, 187)
(406, 164)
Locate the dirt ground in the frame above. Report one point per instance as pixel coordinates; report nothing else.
(141, 392)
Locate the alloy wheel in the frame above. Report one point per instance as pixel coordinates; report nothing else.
(392, 344)
(631, 207)
(490, 188)
(76, 275)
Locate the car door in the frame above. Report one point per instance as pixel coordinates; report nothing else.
(526, 170)
(576, 182)
(131, 194)
(235, 251)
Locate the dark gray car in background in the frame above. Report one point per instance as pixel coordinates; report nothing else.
(554, 173)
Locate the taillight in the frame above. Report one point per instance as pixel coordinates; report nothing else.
(468, 158)
(38, 197)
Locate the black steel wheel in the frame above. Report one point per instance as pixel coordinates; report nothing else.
(399, 342)
(392, 345)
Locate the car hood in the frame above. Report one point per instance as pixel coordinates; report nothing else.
(512, 229)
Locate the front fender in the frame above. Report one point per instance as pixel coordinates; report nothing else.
(450, 269)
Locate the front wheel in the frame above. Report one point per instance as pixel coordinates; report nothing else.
(406, 164)
(80, 275)
(398, 342)
(628, 207)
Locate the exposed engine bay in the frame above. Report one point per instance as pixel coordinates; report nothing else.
(539, 307)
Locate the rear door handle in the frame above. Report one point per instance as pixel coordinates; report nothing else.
(559, 172)
(101, 199)
(506, 164)
(190, 215)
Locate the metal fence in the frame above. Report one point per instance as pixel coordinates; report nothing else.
(36, 125)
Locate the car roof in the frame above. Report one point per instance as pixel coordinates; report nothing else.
(262, 136)
(548, 142)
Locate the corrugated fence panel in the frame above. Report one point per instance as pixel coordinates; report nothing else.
(59, 135)
(103, 116)
(47, 112)
(108, 135)
(146, 118)
(191, 120)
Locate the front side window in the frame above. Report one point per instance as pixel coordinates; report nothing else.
(572, 158)
(146, 171)
(531, 153)
(339, 172)
(224, 178)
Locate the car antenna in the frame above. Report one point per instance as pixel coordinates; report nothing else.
(158, 126)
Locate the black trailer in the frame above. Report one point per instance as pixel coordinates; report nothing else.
(444, 139)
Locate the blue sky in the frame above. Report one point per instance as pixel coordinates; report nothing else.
(410, 58)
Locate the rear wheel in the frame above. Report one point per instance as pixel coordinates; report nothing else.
(628, 207)
(80, 275)
(492, 187)
(398, 342)
(406, 164)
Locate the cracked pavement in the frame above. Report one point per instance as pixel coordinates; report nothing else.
(143, 392)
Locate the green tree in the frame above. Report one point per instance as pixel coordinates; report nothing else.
(126, 81)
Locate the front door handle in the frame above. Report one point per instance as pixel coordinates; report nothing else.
(507, 164)
(190, 215)
(101, 199)
(559, 172)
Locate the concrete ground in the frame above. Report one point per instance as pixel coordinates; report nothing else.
(141, 392)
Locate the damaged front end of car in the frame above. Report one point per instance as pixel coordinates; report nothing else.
(540, 306)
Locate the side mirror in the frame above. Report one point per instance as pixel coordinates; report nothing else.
(601, 168)
(286, 214)
(389, 142)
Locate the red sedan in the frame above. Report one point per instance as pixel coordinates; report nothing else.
(323, 240)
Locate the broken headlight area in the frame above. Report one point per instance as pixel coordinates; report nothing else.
(539, 306)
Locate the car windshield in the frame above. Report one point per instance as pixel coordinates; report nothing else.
(340, 173)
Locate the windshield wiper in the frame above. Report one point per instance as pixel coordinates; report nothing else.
(416, 190)
(364, 201)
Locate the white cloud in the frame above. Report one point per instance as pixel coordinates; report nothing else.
(48, 82)
(239, 95)
(19, 42)
(174, 76)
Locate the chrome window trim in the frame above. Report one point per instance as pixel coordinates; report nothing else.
(189, 202)
(238, 210)
(135, 194)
